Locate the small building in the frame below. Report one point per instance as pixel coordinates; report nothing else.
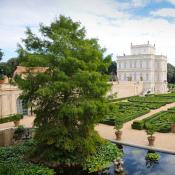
(144, 65)
(10, 103)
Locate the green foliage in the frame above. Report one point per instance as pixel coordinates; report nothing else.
(1, 77)
(103, 158)
(162, 121)
(152, 156)
(138, 125)
(171, 88)
(14, 117)
(126, 111)
(12, 162)
(19, 132)
(1, 54)
(153, 99)
(150, 130)
(69, 97)
(118, 123)
(170, 73)
(7, 68)
(137, 106)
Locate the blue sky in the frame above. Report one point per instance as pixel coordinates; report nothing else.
(116, 23)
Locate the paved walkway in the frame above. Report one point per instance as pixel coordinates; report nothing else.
(164, 141)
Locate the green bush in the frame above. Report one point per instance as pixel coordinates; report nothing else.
(104, 157)
(118, 123)
(11, 118)
(12, 162)
(138, 125)
(152, 156)
(19, 132)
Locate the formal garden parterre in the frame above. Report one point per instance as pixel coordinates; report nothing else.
(162, 121)
(130, 108)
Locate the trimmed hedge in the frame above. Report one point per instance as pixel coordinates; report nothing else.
(11, 118)
(138, 125)
(162, 121)
(137, 106)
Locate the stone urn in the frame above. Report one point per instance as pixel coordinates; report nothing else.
(151, 140)
(173, 128)
(118, 134)
(16, 122)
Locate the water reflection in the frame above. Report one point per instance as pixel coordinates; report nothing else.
(135, 163)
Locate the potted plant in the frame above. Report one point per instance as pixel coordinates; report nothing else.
(118, 127)
(150, 132)
(16, 119)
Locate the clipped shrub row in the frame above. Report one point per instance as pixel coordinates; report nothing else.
(162, 121)
(153, 99)
(137, 106)
(11, 118)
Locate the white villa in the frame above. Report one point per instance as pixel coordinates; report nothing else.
(144, 65)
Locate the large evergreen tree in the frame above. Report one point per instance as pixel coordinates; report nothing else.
(69, 97)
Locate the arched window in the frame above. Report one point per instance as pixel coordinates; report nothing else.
(21, 107)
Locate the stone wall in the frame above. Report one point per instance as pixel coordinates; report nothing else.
(6, 136)
(126, 88)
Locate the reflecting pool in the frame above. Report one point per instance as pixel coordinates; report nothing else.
(135, 163)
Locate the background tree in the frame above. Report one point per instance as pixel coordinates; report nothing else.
(69, 98)
(170, 73)
(1, 71)
(1, 54)
(112, 71)
(8, 68)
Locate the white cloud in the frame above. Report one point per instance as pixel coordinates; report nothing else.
(106, 19)
(171, 1)
(139, 3)
(164, 12)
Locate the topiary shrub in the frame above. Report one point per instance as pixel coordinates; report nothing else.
(138, 125)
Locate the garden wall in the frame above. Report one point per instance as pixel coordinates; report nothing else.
(126, 89)
(6, 136)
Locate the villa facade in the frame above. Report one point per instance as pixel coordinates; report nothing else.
(144, 65)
